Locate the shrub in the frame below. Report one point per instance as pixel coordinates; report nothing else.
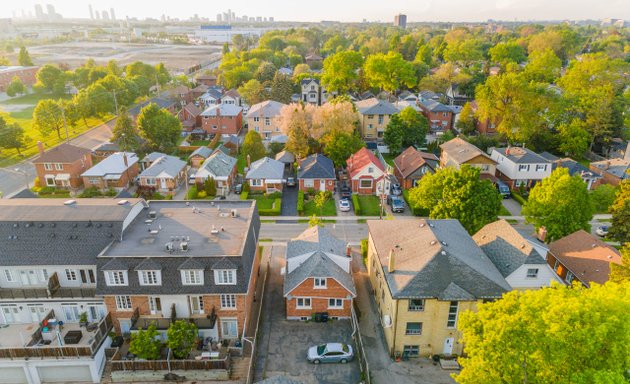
(168, 197)
(275, 211)
(202, 194)
(603, 197)
(110, 192)
(364, 250)
(516, 196)
(275, 195)
(145, 343)
(245, 187)
(357, 206)
(157, 196)
(47, 190)
(90, 192)
(300, 203)
(37, 183)
(192, 193)
(244, 195)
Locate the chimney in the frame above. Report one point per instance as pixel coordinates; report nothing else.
(249, 161)
(542, 234)
(392, 261)
(40, 146)
(607, 165)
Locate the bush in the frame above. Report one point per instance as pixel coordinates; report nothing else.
(357, 206)
(245, 187)
(157, 196)
(275, 195)
(516, 196)
(192, 193)
(90, 192)
(275, 211)
(110, 192)
(364, 250)
(300, 203)
(417, 211)
(603, 197)
(37, 183)
(168, 197)
(47, 190)
(201, 194)
(244, 195)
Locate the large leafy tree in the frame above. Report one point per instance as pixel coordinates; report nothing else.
(24, 59)
(181, 338)
(265, 72)
(574, 138)
(12, 136)
(466, 122)
(253, 146)
(620, 223)
(407, 128)
(457, 194)
(341, 71)
(543, 66)
(560, 203)
(253, 92)
(507, 52)
(335, 116)
(281, 88)
(47, 117)
(51, 79)
(621, 273)
(146, 344)
(389, 71)
(340, 146)
(532, 337)
(125, 133)
(296, 121)
(159, 128)
(15, 87)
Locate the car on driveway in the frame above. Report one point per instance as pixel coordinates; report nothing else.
(395, 190)
(602, 231)
(290, 181)
(344, 205)
(238, 189)
(330, 353)
(398, 206)
(346, 191)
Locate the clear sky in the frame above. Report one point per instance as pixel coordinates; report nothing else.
(344, 10)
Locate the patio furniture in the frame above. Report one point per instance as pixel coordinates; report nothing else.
(73, 337)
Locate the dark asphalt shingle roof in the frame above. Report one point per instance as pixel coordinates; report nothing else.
(63, 153)
(316, 166)
(521, 155)
(318, 265)
(159, 101)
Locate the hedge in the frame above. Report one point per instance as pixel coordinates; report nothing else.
(415, 210)
(192, 193)
(357, 206)
(516, 196)
(275, 211)
(364, 250)
(300, 203)
(244, 195)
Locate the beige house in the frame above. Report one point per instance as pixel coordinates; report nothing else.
(263, 118)
(458, 151)
(374, 116)
(424, 273)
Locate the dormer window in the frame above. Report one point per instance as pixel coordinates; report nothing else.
(116, 277)
(541, 167)
(225, 277)
(192, 277)
(150, 277)
(320, 283)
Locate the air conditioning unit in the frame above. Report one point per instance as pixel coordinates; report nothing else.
(387, 321)
(183, 246)
(169, 247)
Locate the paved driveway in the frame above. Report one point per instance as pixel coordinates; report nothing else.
(283, 344)
(512, 206)
(289, 201)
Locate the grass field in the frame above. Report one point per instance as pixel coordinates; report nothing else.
(370, 205)
(329, 208)
(24, 117)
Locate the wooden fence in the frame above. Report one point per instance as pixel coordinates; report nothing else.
(172, 365)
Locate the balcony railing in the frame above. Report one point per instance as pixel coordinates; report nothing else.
(53, 291)
(139, 321)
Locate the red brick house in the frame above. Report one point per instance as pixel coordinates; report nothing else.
(366, 173)
(318, 276)
(222, 119)
(190, 116)
(62, 165)
(316, 172)
(485, 127)
(411, 165)
(440, 116)
(207, 80)
(117, 171)
(26, 74)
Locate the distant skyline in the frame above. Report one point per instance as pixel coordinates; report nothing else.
(347, 11)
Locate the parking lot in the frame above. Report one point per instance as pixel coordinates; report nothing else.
(283, 344)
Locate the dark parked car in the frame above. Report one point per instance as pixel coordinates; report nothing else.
(346, 191)
(503, 189)
(395, 189)
(398, 206)
(238, 188)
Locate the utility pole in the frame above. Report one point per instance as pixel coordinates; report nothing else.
(115, 102)
(65, 124)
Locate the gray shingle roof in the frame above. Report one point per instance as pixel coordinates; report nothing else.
(63, 153)
(108, 147)
(170, 165)
(435, 259)
(266, 168)
(148, 265)
(159, 101)
(223, 110)
(521, 155)
(202, 151)
(224, 263)
(217, 165)
(576, 168)
(115, 265)
(285, 157)
(318, 265)
(505, 246)
(223, 149)
(267, 108)
(435, 106)
(373, 106)
(616, 167)
(462, 151)
(315, 239)
(113, 164)
(316, 166)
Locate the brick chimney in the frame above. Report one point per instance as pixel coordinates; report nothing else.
(391, 266)
(542, 234)
(40, 147)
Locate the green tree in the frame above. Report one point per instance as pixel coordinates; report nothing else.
(315, 221)
(509, 52)
(47, 117)
(146, 344)
(465, 51)
(163, 76)
(457, 194)
(574, 138)
(125, 133)
(543, 66)
(531, 337)
(404, 129)
(253, 146)
(24, 59)
(226, 48)
(159, 128)
(320, 200)
(603, 197)
(466, 122)
(113, 68)
(560, 203)
(4, 61)
(253, 92)
(265, 72)
(12, 136)
(621, 273)
(620, 210)
(15, 87)
(281, 89)
(340, 146)
(210, 187)
(181, 337)
(341, 71)
(389, 72)
(51, 78)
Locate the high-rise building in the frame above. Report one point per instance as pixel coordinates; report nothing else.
(219, 17)
(97, 15)
(91, 11)
(39, 12)
(271, 19)
(51, 11)
(105, 15)
(259, 19)
(400, 20)
(112, 14)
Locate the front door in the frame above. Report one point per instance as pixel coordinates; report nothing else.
(37, 313)
(448, 345)
(196, 305)
(155, 305)
(10, 313)
(163, 184)
(322, 185)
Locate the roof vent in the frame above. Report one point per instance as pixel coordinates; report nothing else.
(169, 247)
(609, 256)
(148, 221)
(53, 225)
(69, 202)
(27, 225)
(183, 246)
(443, 253)
(234, 213)
(444, 243)
(421, 225)
(433, 242)
(16, 225)
(152, 214)
(154, 231)
(431, 225)
(123, 202)
(40, 225)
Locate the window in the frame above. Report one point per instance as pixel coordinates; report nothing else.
(123, 303)
(94, 180)
(380, 119)
(225, 277)
(532, 273)
(256, 182)
(58, 166)
(411, 350)
(267, 121)
(365, 183)
(335, 303)
(256, 119)
(229, 328)
(192, 277)
(416, 305)
(523, 167)
(414, 329)
(452, 315)
(71, 275)
(570, 277)
(44, 275)
(228, 301)
(312, 87)
(149, 277)
(541, 167)
(87, 276)
(8, 275)
(50, 181)
(320, 282)
(556, 266)
(71, 312)
(370, 117)
(48, 166)
(303, 303)
(256, 129)
(116, 277)
(196, 305)
(214, 127)
(309, 183)
(370, 170)
(150, 181)
(312, 96)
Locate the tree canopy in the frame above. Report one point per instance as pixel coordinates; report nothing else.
(24, 59)
(389, 71)
(341, 71)
(404, 129)
(159, 128)
(620, 210)
(253, 146)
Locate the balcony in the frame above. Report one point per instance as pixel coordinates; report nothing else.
(139, 321)
(53, 291)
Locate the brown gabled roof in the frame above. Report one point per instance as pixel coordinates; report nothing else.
(586, 256)
(462, 151)
(411, 159)
(232, 92)
(64, 153)
(192, 109)
(205, 77)
(179, 90)
(360, 160)
(201, 88)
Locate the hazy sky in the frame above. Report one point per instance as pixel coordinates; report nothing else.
(344, 10)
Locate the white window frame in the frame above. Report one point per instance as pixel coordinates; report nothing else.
(116, 278)
(8, 274)
(541, 167)
(452, 322)
(225, 327)
(50, 181)
(415, 308)
(303, 303)
(225, 276)
(256, 182)
(150, 277)
(309, 183)
(48, 166)
(58, 167)
(71, 274)
(198, 300)
(228, 301)
(532, 273)
(192, 277)
(335, 303)
(414, 332)
(570, 277)
(320, 283)
(361, 183)
(523, 167)
(123, 303)
(150, 181)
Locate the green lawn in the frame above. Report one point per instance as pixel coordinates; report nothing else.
(241, 162)
(199, 143)
(389, 158)
(329, 209)
(32, 98)
(370, 205)
(262, 201)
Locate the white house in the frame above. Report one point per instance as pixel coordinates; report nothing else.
(518, 166)
(311, 91)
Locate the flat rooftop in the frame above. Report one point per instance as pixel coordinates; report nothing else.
(62, 210)
(19, 335)
(208, 228)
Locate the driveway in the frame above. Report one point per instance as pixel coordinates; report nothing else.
(513, 206)
(283, 344)
(289, 201)
(337, 197)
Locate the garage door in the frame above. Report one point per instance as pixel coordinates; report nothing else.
(64, 374)
(12, 375)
